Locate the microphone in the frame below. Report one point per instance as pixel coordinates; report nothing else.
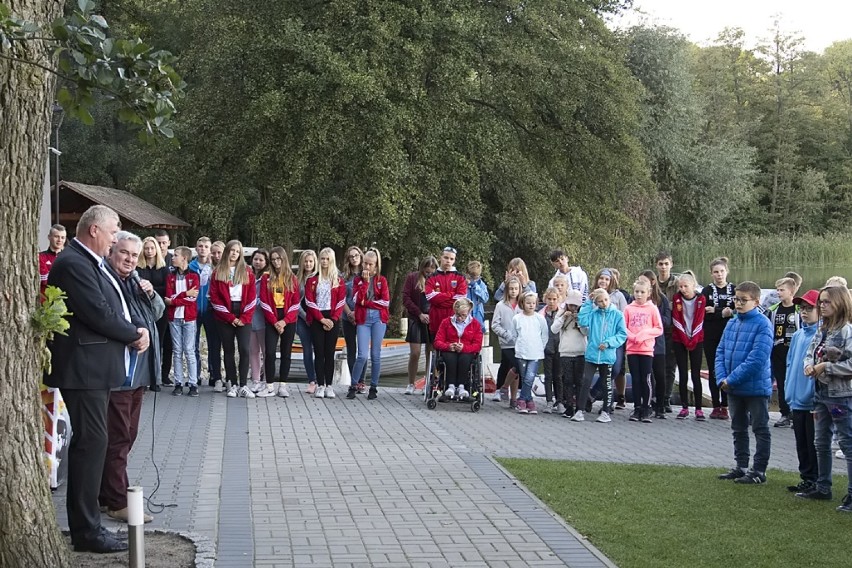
(134, 277)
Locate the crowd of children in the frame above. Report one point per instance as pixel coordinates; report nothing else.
(582, 340)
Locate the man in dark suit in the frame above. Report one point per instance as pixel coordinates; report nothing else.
(94, 357)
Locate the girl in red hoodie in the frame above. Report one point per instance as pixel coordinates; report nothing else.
(644, 325)
(688, 339)
(279, 299)
(233, 297)
(325, 295)
(372, 301)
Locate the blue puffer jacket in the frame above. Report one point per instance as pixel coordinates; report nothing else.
(743, 355)
(799, 389)
(605, 326)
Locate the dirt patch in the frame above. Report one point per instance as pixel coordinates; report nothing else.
(162, 550)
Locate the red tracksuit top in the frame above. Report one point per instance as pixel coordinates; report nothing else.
(45, 261)
(679, 326)
(380, 301)
(291, 302)
(471, 338)
(442, 291)
(338, 299)
(189, 305)
(220, 300)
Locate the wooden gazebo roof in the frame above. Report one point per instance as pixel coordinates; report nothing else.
(130, 208)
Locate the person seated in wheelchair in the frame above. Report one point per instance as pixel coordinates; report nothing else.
(458, 341)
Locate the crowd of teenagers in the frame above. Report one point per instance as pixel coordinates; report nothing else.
(585, 339)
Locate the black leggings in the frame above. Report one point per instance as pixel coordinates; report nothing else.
(552, 378)
(228, 333)
(457, 366)
(507, 362)
(272, 340)
(660, 381)
(693, 359)
(712, 338)
(778, 361)
(641, 370)
(325, 342)
(605, 376)
(572, 380)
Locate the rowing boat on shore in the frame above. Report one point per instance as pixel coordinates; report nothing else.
(394, 358)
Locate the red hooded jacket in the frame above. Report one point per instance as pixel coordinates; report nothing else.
(189, 305)
(679, 325)
(220, 300)
(380, 301)
(291, 302)
(338, 299)
(471, 337)
(442, 291)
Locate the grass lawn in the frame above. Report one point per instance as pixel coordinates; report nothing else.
(650, 515)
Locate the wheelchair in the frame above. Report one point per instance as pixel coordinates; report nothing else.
(433, 391)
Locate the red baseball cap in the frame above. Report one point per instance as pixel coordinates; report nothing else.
(811, 297)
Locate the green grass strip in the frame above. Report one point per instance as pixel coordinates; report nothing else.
(655, 516)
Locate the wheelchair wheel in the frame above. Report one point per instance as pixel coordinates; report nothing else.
(431, 404)
(475, 406)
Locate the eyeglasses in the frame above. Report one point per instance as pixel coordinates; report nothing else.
(824, 302)
(807, 309)
(354, 255)
(738, 300)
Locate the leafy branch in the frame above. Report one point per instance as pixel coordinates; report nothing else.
(49, 319)
(139, 78)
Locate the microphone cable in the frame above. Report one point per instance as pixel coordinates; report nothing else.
(153, 507)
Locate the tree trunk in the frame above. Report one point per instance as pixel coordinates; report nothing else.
(29, 535)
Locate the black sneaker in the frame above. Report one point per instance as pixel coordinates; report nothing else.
(619, 403)
(373, 393)
(635, 415)
(802, 487)
(155, 388)
(588, 406)
(752, 477)
(815, 494)
(846, 505)
(167, 381)
(193, 390)
(352, 393)
(784, 422)
(178, 390)
(734, 473)
(645, 416)
(660, 414)
(668, 406)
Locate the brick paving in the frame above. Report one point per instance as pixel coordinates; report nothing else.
(346, 483)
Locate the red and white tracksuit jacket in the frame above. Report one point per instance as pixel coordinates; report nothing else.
(338, 299)
(679, 325)
(291, 302)
(181, 300)
(442, 291)
(380, 301)
(220, 300)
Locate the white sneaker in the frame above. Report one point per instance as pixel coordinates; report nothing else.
(329, 392)
(219, 386)
(232, 392)
(263, 390)
(835, 445)
(409, 389)
(496, 397)
(450, 392)
(245, 392)
(840, 455)
(604, 418)
(462, 394)
(283, 391)
(559, 408)
(548, 408)
(578, 417)
(255, 387)
(320, 392)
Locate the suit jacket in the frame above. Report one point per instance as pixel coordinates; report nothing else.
(91, 356)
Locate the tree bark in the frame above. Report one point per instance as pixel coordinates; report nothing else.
(29, 535)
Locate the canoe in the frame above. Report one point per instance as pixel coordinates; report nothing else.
(394, 358)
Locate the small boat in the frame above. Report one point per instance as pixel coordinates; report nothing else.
(394, 358)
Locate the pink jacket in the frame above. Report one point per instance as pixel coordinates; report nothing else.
(644, 324)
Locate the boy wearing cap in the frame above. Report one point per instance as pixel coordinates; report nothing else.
(800, 391)
(572, 349)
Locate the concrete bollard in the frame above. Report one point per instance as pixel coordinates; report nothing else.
(136, 527)
(403, 327)
(341, 370)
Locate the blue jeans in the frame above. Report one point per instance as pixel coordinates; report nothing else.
(371, 333)
(183, 343)
(214, 347)
(828, 411)
(757, 408)
(527, 370)
(303, 330)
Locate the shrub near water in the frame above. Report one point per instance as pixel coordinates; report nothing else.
(834, 249)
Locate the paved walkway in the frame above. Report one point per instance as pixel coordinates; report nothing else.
(343, 483)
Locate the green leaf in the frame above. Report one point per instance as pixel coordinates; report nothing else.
(5, 12)
(99, 20)
(85, 116)
(82, 4)
(107, 47)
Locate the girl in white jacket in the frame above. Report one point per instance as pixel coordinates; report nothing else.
(531, 335)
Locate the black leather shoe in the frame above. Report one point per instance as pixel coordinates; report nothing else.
(105, 543)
